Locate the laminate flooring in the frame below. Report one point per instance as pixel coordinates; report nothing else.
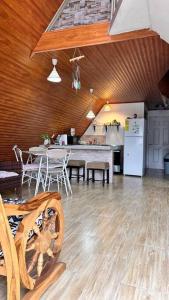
(116, 243)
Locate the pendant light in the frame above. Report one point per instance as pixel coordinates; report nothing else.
(107, 107)
(90, 114)
(54, 76)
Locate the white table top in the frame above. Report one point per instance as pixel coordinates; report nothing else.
(84, 147)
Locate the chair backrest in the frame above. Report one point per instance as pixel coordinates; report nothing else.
(60, 156)
(18, 153)
(56, 154)
(14, 149)
(67, 157)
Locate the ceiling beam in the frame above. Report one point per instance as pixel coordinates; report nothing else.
(84, 35)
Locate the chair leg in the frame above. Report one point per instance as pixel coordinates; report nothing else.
(83, 173)
(70, 173)
(108, 176)
(23, 175)
(78, 174)
(68, 181)
(69, 185)
(50, 177)
(65, 184)
(87, 176)
(57, 178)
(93, 175)
(103, 177)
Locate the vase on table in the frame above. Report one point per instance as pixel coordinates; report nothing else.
(46, 142)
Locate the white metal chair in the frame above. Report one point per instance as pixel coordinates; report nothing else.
(56, 169)
(30, 169)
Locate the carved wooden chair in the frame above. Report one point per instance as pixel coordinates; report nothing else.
(31, 256)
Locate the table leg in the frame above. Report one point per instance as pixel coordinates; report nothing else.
(38, 178)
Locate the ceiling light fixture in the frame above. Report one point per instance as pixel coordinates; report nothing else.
(54, 76)
(90, 114)
(107, 107)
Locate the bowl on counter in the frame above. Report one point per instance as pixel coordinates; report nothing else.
(82, 143)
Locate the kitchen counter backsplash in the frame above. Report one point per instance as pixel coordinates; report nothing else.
(93, 139)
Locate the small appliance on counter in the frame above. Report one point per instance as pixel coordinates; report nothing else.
(61, 139)
(72, 131)
(73, 140)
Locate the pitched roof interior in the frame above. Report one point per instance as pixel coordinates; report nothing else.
(30, 105)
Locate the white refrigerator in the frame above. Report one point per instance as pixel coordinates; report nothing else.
(134, 147)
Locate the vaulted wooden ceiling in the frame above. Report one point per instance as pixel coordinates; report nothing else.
(127, 71)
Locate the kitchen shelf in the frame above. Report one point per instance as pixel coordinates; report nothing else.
(106, 126)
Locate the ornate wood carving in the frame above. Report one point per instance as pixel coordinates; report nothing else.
(33, 256)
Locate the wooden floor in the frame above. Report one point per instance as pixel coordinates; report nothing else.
(116, 242)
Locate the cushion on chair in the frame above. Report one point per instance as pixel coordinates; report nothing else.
(5, 174)
(98, 165)
(76, 163)
(30, 167)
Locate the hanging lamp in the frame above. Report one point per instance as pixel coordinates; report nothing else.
(107, 107)
(54, 76)
(90, 114)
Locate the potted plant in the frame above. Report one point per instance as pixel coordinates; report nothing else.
(46, 138)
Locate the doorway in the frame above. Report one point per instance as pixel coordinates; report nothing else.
(157, 138)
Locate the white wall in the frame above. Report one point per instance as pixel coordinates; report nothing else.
(141, 14)
(118, 112)
(132, 15)
(159, 17)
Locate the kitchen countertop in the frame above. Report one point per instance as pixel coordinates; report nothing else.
(90, 153)
(84, 147)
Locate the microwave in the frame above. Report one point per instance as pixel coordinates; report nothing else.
(73, 140)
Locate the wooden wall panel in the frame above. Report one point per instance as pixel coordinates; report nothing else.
(22, 114)
(30, 105)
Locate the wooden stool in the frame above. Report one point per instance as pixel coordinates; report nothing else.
(76, 164)
(98, 166)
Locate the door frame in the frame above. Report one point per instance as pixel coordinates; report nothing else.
(154, 113)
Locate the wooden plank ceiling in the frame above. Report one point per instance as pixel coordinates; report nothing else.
(127, 71)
